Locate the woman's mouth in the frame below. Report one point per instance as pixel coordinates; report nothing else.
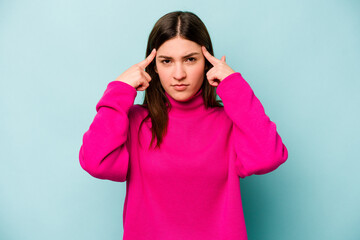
(180, 87)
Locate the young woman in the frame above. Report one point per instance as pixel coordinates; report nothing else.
(181, 152)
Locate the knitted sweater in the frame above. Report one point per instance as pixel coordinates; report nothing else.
(190, 187)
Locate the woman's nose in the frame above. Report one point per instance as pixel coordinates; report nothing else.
(179, 72)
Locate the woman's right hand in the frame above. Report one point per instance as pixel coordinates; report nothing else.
(136, 75)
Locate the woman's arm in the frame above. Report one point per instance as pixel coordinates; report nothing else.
(258, 146)
(103, 153)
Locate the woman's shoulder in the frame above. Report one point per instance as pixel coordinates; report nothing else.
(218, 108)
(137, 111)
(220, 113)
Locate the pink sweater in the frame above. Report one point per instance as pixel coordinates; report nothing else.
(190, 189)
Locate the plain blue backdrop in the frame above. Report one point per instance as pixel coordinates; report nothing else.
(300, 57)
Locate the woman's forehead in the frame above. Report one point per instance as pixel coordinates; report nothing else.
(178, 47)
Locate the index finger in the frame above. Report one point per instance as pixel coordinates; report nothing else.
(213, 60)
(144, 63)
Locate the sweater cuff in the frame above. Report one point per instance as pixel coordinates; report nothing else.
(116, 83)
(118, 95)
(230, 84)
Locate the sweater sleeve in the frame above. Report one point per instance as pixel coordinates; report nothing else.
(103, 153)
(257, 144)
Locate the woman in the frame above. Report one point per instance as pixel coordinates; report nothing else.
(186, 186)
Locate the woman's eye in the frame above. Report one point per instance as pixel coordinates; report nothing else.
(191, 59)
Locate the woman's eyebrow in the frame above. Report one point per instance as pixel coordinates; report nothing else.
(186, 56)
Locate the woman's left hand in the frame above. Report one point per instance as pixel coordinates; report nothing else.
(220, 69)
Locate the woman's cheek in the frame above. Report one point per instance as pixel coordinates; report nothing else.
(199, 69)
(163, 75)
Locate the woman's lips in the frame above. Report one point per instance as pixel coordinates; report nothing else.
(180, 87)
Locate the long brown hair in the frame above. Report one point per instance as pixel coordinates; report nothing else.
(188, 26)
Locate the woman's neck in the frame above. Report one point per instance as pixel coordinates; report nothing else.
(193, 106)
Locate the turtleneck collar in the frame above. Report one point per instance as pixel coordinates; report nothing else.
(193, 106)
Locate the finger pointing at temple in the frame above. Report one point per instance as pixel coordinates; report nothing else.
(144, 63)
(213, 60)
(220, 69)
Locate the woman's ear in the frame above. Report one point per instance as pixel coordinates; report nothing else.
(156, 69)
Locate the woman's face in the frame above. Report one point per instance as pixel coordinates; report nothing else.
(180, 61)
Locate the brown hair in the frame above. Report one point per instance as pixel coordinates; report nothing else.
(188, 26)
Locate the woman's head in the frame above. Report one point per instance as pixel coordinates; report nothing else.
(186, 32)
(175, 35)
(180, 61)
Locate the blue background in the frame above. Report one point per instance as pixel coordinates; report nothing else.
(300, 57)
